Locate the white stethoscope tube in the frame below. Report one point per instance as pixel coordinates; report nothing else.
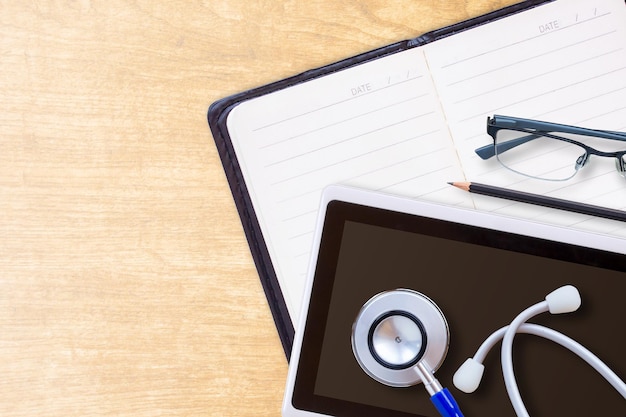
(563, 300)
(559, 338)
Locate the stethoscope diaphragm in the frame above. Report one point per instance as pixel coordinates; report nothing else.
(394, 331)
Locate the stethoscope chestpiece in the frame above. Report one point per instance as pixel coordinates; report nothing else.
(394, 331)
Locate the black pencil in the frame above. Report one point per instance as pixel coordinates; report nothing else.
(541, 200)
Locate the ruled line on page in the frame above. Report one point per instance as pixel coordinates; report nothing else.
(342, 141)
(542, 74)
(587, 99)
(303, 233)
(382, 168)
(323, 123)
(414, 177)
(552, 90)
(352, 157)
(514, 72)
(327, 106)
(529, 58)
(344, 120)
(521, 41)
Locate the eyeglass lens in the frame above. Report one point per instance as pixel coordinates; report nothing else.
(539, 156)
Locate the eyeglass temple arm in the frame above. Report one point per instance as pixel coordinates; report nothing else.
(488, 151)
(509, 121)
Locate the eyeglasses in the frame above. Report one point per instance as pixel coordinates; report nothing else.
(549, 151)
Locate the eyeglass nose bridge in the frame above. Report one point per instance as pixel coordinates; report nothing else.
(620, 159)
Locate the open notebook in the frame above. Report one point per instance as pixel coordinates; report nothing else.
(406, 119)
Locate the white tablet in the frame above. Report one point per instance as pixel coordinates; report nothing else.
(480, 270)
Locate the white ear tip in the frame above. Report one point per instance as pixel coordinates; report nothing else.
(467, 377)
(563, 300)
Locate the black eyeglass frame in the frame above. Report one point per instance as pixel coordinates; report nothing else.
(537, 129)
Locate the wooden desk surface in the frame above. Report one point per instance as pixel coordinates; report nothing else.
(126, 284)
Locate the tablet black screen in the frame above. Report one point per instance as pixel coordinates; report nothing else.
(481, 279)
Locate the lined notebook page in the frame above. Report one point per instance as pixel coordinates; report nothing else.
(563, 62)
(377, 126)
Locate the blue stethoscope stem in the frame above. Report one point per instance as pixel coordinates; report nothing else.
(441, 397)
(445, 403)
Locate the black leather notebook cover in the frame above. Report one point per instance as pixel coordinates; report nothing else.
(218, 114)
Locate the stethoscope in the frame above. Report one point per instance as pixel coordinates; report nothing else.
(401, 337)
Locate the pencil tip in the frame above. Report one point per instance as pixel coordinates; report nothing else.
(461, 185)
(450, 182)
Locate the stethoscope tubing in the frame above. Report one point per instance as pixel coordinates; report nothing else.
(563, 300)
(561, 339)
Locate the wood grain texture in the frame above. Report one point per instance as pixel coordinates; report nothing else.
(126, 284)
